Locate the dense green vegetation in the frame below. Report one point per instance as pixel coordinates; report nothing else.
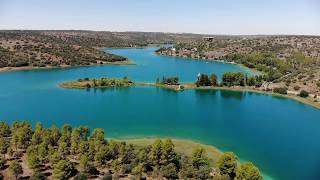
(205, 80)
(280, 90)
(67, 152)
(174, 80)
(265, 62)
(233, 79)
(229, 79)
(303, 94)
(98, 83)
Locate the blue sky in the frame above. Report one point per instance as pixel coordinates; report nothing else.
(196, 16)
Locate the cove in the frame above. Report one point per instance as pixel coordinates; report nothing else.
(279, 135)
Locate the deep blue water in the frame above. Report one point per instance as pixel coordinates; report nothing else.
(279, 135)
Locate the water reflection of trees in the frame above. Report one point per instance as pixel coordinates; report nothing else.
(206, 92)
(238, 95)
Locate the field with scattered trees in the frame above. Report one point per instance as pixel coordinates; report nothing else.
(78, 153)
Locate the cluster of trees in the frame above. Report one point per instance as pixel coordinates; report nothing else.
(106, 82)
(174, 80)
(76, 152)
(233, 79)
(275, 68)
(205, 80)
(229, 79)
(280, 90)
(96, 83)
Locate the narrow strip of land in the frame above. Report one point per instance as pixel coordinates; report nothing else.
(87, 83)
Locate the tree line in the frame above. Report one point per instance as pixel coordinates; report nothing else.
(240, 79)
(68, 152)
(229, 79)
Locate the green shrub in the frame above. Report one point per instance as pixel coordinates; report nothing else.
(304, 94)
(280, 90)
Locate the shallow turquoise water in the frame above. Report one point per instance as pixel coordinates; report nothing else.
(280, 135)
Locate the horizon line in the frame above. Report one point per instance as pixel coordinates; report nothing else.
(135, 31)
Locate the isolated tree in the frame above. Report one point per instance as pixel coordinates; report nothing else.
(137, 171)
(85, 164)
(2, 163)
(251, 81)
(156, 152)
(203, 80)
(84, 132)
(126, 153)
(100, 156)
(38, 134)
(169, 171)
(168, 153)
(15, 169)
(304, 94)
(43, 153)
(37, 175)
(213, 80)
(33, 161)
(63, 170)
(228, 164)
(187, 169)
(202, 172)
(66, 130)
(75, 139)
(22, 134)
(248, 171)
(80, 177)
(54, 135)
(4, 145)
(4, 129)
(54, 157)
(98, 136)
(199, 157)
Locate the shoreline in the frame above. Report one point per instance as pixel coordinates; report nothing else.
(184, 146)
(12, 69)
(192, 86)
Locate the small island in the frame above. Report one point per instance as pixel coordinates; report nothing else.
(87, 83)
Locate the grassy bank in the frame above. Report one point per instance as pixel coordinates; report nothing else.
(181, 146)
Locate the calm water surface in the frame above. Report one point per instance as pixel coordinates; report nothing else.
(280, 135)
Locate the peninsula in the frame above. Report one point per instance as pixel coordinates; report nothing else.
(288, 62)
(235, 81)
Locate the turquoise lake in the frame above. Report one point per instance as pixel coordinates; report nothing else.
(279, 135)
